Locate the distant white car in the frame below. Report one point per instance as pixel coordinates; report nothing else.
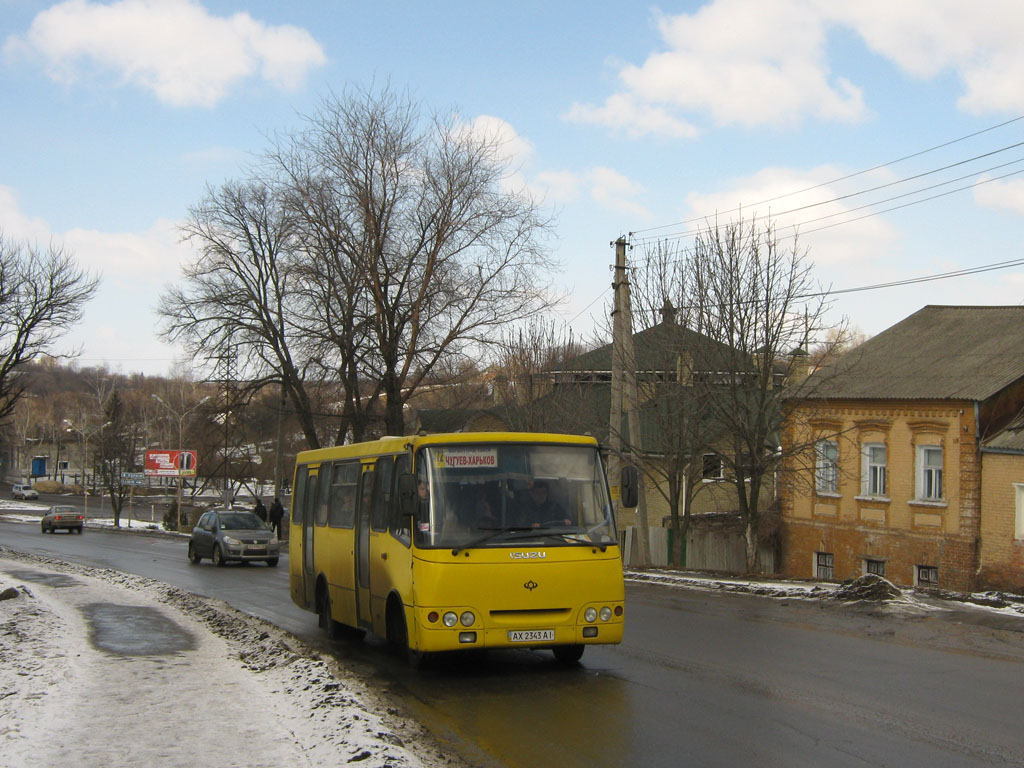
(23, 492)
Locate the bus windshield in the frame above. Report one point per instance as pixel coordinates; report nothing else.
(499, 495)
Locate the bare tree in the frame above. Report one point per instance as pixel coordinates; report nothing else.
(756, 298)
(42, 294)
(535, 390)
(119, 445)
(674, 418)
(439, 256)
(236, 297)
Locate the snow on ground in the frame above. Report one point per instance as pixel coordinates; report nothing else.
(213, 686)
(895, 600)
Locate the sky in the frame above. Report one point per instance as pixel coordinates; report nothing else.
(621, 118)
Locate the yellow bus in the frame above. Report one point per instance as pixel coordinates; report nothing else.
(460, 541)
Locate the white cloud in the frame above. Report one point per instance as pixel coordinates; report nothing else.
(119, 324)
(615, 192)
(174, 48)
(18, 226)
(978, 41)
(1000, 195)
(767, 63)
(810, 214)
(624, 113)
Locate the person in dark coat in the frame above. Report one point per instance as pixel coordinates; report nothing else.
(276, 516)
(260, 510)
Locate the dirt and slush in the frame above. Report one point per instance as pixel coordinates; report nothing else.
(101, 668)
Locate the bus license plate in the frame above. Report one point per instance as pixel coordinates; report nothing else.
(530, 635)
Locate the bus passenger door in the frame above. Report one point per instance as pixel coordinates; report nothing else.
(308, 502)
(362, 559)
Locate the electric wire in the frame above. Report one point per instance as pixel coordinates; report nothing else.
(841, 178)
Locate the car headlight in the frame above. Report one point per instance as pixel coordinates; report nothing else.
(232, 542)
(590, 615)
(273, 541)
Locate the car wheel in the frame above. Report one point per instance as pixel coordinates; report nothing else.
(42, 527)
(218, 556)
(568, 654)
(79, 530)
(193, 556)
(272, 562)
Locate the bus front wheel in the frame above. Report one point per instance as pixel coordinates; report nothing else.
(568, 654)
(398, 635)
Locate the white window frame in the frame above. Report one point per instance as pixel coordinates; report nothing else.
(928, 476)
(928, 583)
(868, 563)
(824, 566)
(703, 465)
(826, 468)
(1018, 518)
(872, 471)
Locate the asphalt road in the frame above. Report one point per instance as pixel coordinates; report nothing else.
(704, 679)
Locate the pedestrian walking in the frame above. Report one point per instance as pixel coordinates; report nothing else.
(260, 510)
(276, 516)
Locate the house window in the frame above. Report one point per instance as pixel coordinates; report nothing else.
(711, 468)
(873, 474)
(826, 466)
(929, 472)
(1018, 527)
(876, 567)
(824, 568)
(927, 576)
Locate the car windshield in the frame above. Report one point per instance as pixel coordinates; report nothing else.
(240, 521)
(494, 495)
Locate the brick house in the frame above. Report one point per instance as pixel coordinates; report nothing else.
(905, 474)
(1001, 559)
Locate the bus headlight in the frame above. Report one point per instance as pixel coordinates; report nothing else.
(590, 615)
(606, 613)
(467, 619)
(450, 619)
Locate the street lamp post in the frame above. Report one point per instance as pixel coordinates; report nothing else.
(86, 434)
(181, 439)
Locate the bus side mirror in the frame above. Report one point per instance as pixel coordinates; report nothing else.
(629, 487)
(407, 496)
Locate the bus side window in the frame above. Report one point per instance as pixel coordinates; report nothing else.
(382, 494)
(398, 523)
(323, 497)
(300, 492)
(344, 487)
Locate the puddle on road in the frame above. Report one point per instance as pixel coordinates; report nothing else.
(47, 578)
(133, 630)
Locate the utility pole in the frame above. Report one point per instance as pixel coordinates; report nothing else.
(624, 392)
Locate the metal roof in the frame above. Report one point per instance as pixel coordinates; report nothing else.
(938, 353)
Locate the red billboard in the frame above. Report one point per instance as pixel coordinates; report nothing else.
(170, 463)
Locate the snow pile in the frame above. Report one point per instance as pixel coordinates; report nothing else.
(870, 587)
(243, 692)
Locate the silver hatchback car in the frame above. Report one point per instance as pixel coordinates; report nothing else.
(232, 534)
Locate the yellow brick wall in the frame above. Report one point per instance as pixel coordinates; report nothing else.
(1002, 555)
(898, 529)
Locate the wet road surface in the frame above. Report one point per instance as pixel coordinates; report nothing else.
(703, 679)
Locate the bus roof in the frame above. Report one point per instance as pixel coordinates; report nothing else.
(393, 444)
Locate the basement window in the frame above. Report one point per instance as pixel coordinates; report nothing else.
(927, 576)
(876, 567)
(824, 567)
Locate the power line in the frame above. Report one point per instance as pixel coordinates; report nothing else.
(841, 178)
